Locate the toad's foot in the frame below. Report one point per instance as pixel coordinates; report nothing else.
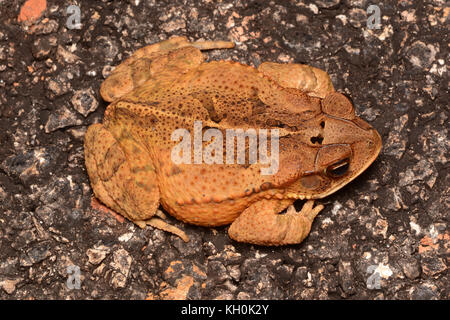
(158, 223)
(209, 45)
(262, 224)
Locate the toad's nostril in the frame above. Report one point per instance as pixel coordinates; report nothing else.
(317, 139)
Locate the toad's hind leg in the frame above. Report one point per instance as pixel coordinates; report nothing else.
(262, 224)
(128, 187)
(168, 58)
(313, 81)
(209, 45)
(159, 223)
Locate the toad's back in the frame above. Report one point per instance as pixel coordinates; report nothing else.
(221, 94)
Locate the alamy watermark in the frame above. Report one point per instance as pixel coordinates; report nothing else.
(373, 281)
(74, 20)
(74, 278)
(374, 17)
(213, 152)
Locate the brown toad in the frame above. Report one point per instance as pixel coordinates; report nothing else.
(166, 86)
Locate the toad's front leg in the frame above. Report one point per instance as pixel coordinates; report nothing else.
(262, 223)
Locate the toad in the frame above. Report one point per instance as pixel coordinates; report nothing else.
(322, 144)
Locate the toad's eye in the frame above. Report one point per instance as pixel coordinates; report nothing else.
(338, 169)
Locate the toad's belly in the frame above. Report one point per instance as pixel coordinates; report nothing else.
(206, 195)
(206, 214)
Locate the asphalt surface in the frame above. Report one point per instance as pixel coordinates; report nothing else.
(384, 236)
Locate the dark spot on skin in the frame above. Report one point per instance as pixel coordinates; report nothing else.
(147, 188)
(175, 170)
(246, 165)
(138, 169)
(274, 123)
(152, 120)
(266, 186)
